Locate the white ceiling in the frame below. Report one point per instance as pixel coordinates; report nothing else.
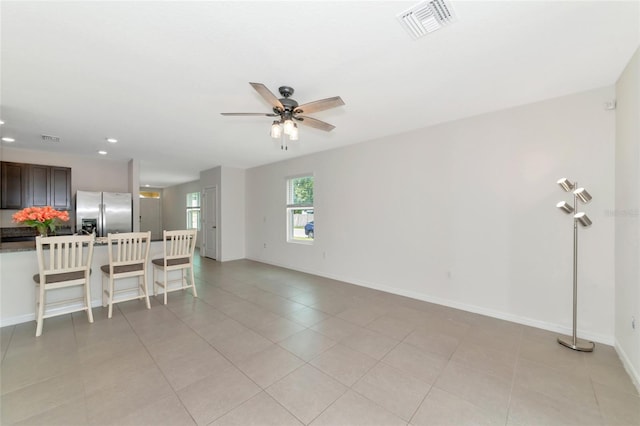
(156, 75)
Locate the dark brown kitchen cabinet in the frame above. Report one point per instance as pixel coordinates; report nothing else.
(14, 186)
(49, 186)
(27, 185)
(60, 188)
(39, 185)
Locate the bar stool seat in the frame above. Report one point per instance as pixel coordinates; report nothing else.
(57, 278)
(122, 268)
(171, 262)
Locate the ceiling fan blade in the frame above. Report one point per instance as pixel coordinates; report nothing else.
(312, 122)
(250, 114)
(320, 105)
(267, 95)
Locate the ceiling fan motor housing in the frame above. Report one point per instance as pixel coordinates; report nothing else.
(289, 106)
(285, 91)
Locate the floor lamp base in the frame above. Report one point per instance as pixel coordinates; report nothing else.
(581, 345)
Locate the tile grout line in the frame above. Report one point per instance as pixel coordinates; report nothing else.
(13, 329)
(513, 376)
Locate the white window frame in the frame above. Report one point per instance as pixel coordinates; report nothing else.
(291, 206)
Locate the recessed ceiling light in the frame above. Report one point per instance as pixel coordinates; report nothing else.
(112, 140)
(102, 152)
(8, 139)
(1, 122)
(147, 186)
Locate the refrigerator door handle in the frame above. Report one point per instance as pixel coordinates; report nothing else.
(103, 224)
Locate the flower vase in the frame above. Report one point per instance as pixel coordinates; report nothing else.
(42, 230)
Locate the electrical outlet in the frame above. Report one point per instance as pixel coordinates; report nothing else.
(265, 245)
(633, 323)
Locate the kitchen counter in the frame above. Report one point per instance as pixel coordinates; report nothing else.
(18, 264)
(17, 246)
(22, 238)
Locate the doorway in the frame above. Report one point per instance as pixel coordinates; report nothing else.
(150, 217)
(210, 224)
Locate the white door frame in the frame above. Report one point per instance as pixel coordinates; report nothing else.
(209, 191)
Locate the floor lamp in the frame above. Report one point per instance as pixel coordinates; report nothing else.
(581, 218)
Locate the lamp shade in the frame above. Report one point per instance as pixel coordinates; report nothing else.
(582, 195)
(565, 207)
(583, 219)
(288, 126)
(566, 184)
(293, 135)
(276, 130)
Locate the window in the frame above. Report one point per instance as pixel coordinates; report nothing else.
(193, 210)
(300, 224)
(149, 194)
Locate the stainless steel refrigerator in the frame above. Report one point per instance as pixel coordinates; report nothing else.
(103, 212)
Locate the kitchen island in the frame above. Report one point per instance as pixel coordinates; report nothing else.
(18, 264)
(17, 246)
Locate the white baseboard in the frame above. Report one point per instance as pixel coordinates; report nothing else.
(556, 328)
(96, 303)
(32, 317)
(626, 362)
(17, 320)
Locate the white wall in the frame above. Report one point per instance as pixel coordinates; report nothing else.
(87, 174)
(174, 205)
(461, 213)
(232, 214)
(627, 217)
(230, 183)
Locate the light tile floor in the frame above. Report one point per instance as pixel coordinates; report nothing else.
(269, 346)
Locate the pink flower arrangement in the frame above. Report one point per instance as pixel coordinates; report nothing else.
(44, 219)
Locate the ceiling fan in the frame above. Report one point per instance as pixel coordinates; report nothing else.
(290, 112)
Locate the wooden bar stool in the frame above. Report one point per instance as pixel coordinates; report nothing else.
(64, 262)
(128, 257)
(178, 249)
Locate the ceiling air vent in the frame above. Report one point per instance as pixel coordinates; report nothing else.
(49, 138)
(427, 17)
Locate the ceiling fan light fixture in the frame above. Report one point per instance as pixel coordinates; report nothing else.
(288, 126)
(288, 110)
(276, 130)
(293, 135)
